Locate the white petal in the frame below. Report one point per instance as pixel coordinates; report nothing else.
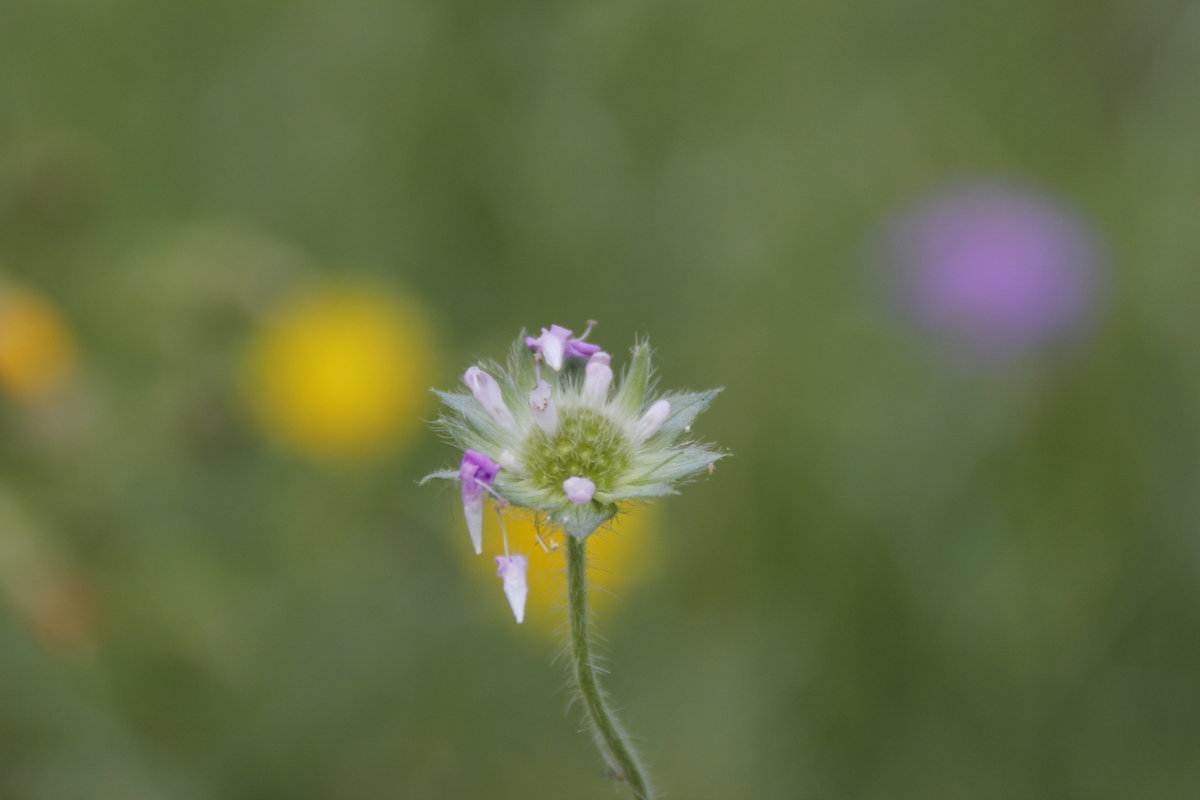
(597, 378)
(473, 502)
(652, 420)
(553, 348)
(512, 569)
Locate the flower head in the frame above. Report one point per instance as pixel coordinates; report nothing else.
(565, 443)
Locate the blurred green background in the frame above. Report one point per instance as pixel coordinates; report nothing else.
(219, 579)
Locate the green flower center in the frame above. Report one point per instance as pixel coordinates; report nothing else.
(586, 444)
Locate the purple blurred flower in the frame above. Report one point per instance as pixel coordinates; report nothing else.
(994, 271)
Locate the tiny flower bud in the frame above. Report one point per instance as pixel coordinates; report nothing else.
(597, 378)
(652, 420)
(579, 490)
(511, 463)
(476, 472)
(487, 392)
(541, 404)
(512, 569)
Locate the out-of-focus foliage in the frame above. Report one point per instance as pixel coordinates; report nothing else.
(912, 580)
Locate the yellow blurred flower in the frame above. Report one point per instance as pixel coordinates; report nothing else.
(620, 556)
(341, 372)
(37, 350)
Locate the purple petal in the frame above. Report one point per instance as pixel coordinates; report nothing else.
(482, 467)
(576, 348)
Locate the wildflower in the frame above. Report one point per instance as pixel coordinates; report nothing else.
(994, 271)
(565, 444)
(574, 451)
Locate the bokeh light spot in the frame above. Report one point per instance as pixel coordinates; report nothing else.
(37, 350)
(341, 372)
(994, 271)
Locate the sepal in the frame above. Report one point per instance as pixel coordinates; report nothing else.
(581, 521)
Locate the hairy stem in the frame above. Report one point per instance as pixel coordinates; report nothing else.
(611, 738)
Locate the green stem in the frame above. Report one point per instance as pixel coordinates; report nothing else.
(612, 740)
